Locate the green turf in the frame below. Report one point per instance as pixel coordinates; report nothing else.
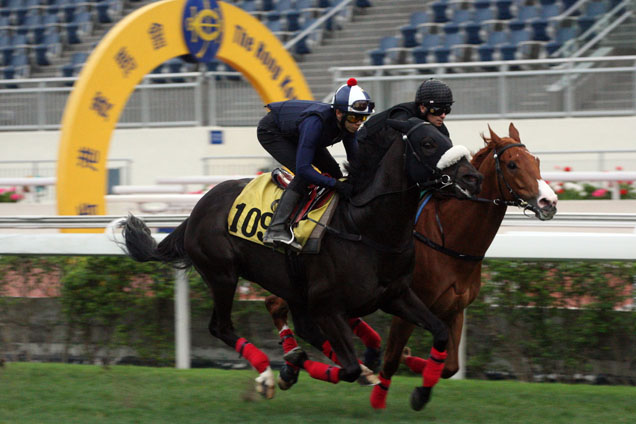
(58, 393)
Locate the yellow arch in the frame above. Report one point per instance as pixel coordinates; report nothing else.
(135, 46)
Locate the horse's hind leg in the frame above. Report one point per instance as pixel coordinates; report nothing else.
(410, 308)
(222, 284)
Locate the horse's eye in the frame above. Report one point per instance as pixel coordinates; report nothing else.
(428, 145)
(512, 165)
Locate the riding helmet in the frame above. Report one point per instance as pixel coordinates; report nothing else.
(433, 92)
(351, 98)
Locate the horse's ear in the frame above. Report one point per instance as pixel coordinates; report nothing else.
(493, 136)
(400, 125)
(514, 133)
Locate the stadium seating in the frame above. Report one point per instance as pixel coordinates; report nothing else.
(488, 30)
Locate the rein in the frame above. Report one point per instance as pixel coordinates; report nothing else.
(441, 181)
(518, 201)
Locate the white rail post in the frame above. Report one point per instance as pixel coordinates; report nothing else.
(182, 320)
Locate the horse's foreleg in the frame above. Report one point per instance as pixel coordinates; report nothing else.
(340, 336)
(410, 308)
(452, 361)
(398, 336)
(223, 286)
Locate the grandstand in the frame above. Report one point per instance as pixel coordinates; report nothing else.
(52, 38)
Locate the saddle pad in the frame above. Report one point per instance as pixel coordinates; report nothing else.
(251, 213)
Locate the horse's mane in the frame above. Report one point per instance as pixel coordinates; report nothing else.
(490, 145)
(370, 151)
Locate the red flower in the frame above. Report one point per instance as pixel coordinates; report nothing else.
(624, 191)
(619, 168)
(567, 169)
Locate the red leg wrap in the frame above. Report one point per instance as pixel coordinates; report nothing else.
(323, 372)
(329, 353)
(288, 339)
(379, 393)
(254, 356)
(415, 363)
(434, 367)
(368, 335)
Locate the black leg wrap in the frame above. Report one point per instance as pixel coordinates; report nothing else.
(289, 375)
(420, 397)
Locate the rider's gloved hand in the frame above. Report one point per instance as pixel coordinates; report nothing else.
(344, 189)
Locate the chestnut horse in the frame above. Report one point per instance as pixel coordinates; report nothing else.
(452, 237)
(366, 259)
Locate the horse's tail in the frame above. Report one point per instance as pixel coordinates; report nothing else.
(142, 247)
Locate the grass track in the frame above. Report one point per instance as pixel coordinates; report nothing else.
(60, 393)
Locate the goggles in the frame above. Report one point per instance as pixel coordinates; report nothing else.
(362, 106)
(439, 110)
(353, 118)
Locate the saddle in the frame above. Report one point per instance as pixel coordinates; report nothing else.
(315, 198)
(252, 209)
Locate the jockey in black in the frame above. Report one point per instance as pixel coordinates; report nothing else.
(433, 101)
(297, 133)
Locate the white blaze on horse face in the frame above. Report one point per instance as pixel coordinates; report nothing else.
(547, 197)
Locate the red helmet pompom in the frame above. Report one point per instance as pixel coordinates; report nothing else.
(351, 82)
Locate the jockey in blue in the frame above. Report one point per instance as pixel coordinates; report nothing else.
(297, 133)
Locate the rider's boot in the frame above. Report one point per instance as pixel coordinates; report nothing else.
(279, 231)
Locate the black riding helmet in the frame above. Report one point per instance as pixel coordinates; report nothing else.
(433, 92)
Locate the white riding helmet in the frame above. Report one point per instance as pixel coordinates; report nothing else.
(351, 98)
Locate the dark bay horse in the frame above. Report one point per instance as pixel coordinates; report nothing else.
(452, 237)
(366, 259)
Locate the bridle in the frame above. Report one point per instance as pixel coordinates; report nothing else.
(438, 182)
(517, 201)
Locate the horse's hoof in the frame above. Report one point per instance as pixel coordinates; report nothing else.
(420, 397)
(297, 356)
(287, 377)
(265, 384)
(367, 378)
(372, 358)
(406, 352)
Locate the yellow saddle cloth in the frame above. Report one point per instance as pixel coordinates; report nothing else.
(252, 213)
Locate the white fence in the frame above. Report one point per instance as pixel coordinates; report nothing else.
(512, 245)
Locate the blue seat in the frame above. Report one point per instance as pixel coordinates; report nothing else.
(453, 35)
(527, 12)
(503, 9)
(50, 46)
(519, 32)
(432, 38)
(565, 31)
(267, 5)
(19, 67)
(81, 26)
(378, 55)
(409, 32)
(508, 51)
(74, 67)
(473, 33)
(461, 12)
(442, 54)
(439, 11)
(14, 45)
(483, 11)
(549, 9)
(593, 10)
